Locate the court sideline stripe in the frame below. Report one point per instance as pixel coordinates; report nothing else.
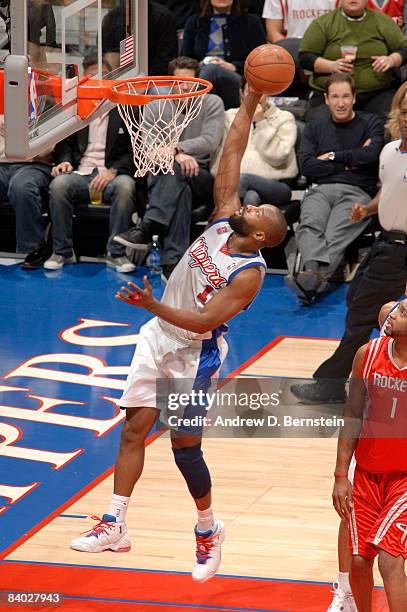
(172, 605)
(172, 572)
(68, 503)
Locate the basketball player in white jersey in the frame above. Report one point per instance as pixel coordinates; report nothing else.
(219, 275)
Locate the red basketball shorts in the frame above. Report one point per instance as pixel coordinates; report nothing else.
(379, 515)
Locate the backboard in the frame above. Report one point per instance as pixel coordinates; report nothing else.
(68, 38)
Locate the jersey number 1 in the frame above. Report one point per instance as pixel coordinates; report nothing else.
(203, 297)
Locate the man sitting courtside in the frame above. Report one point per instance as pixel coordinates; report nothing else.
(340, 154)
(170, 196)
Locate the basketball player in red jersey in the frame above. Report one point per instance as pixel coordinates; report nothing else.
(342, 600)
(376, 430)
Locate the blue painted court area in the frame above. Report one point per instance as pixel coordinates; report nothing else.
(57, 441)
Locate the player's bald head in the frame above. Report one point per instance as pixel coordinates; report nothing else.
(264, 225)
(275, 225)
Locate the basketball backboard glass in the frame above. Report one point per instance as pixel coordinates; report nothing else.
(67, 38)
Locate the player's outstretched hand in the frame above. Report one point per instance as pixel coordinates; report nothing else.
(342, 497)
(136, 296)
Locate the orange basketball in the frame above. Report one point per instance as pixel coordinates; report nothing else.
(269, 69)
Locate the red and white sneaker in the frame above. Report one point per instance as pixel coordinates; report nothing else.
(208, 552)
(105, 535)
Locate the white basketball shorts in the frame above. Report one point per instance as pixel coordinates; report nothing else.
(158, 356)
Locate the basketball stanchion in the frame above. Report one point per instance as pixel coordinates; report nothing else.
(156, 110)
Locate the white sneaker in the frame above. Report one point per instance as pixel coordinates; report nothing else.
(208, 552)
(105, 535)
(56, 262)
(120, 264)
(342, 601)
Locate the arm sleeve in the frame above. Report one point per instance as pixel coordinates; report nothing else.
(275, 142)
(272, 10)
(164, 48)
(364, 155)
(393, 36)
(64, 152)
(309, 164)
(257, 37)
(212, 130)
(228, 118)
(187, 48)
(307, 60)
(314, 40)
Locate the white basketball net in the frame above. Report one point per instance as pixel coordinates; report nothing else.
(156, 128)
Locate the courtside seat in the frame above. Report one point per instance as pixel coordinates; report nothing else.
(90, 225)
(90, 229)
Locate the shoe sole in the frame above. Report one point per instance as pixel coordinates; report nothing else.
(58, 266)
(318, 402)
(293, 286)
(32, 266)
(310, 402)
(116, 548)
(130, 245)
(127, 271)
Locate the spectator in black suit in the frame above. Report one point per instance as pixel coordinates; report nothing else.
(221, 37)
(162, 36)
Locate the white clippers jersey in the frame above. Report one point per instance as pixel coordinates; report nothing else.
(206, 267)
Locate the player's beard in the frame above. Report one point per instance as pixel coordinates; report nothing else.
(239, 225)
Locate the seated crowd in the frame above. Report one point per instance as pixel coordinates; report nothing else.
(353, 54)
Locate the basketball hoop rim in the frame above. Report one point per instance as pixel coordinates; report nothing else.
(99, 89)
(103, 89)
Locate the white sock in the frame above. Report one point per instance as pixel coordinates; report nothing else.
(118, 507)
(205, 519)
(343, 582)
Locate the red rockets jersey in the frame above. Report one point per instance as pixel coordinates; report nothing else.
(392, 8)
(382, 445)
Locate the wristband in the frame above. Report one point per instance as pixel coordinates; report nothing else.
(340, 475)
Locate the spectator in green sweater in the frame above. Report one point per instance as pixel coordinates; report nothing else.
(380, 49)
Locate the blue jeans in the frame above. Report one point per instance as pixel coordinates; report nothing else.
(66, 190)
(25, 186)
(257, 190)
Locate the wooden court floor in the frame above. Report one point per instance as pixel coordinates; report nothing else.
(274, 496)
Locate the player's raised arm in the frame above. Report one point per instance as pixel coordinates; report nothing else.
(225, 193)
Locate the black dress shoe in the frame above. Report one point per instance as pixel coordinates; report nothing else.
(134, 238)
(319, 393)
(36, 259)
